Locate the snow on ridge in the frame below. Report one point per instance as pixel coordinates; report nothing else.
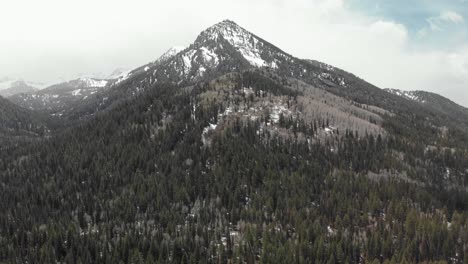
(246, 44)
(411, 95)
(124, 76)
(169, 54)
(176, 49)
(93, 82)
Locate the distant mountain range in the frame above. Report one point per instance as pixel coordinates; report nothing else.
(11, 86)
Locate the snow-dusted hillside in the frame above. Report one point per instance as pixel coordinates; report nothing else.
(417, 96)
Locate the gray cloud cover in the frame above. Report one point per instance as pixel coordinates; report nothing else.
(51, 39)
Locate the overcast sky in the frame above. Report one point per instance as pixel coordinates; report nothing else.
(405, 44)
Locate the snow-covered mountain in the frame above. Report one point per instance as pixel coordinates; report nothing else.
(8, 82)
(253, 49)
(223, 47)
(60, 96)
(11, 86)
(227, 47)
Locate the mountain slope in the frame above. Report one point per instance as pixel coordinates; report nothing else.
(436, 102)
(228, 168)
(17, 123)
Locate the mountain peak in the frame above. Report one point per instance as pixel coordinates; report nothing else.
(254, 50)
(224, 24)
(224, 47)
(227, 22)
(224, 29)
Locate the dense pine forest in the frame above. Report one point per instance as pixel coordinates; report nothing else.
(140, 183)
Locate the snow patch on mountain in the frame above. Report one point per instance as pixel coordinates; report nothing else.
(209, 56)
(411, 95)
(277, 110)
(76, 92)
(206, 132)
(88, 82)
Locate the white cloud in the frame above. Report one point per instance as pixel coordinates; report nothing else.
(439, 22)
(61, 38)
(451, 16)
